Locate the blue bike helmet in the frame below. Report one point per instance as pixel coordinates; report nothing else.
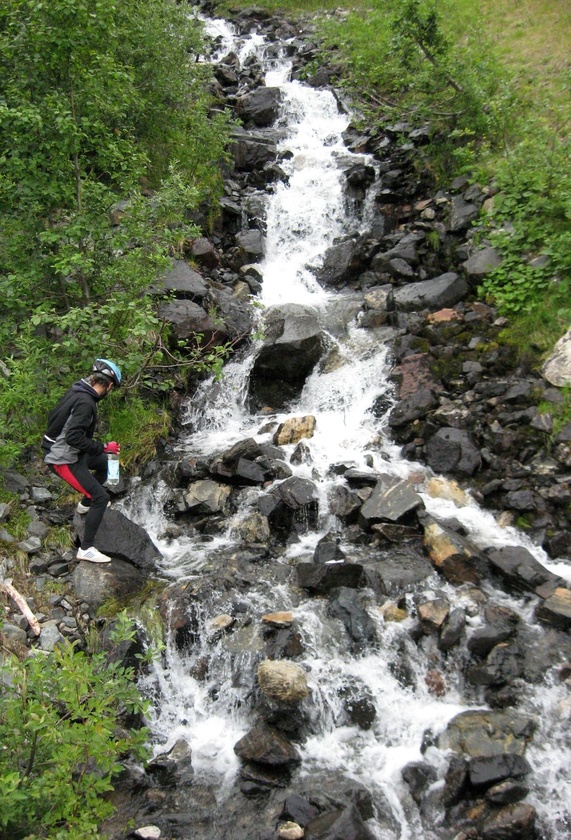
(109, 370)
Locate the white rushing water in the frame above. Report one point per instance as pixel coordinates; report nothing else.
(304, 216)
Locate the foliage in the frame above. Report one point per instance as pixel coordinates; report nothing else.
(61, 744)
(109, 143)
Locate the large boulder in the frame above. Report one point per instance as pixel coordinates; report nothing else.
(294, 343)
(253, 150)
(119, 537)
(116, 581)
(479, 733)
(260, 107)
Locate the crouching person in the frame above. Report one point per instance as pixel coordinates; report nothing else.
(73, 454)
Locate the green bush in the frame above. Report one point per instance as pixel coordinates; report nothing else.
(62, 743)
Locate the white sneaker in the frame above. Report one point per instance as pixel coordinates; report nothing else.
(82, 509)
(93, 555)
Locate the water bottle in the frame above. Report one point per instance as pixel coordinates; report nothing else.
(112, 469)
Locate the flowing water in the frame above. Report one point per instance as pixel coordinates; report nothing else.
(304, 217)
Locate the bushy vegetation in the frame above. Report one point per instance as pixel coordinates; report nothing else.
(62, 742)
(109, 141)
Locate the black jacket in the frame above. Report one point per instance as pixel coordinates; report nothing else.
(71, 426)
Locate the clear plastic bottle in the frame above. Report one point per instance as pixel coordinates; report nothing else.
(112, 469)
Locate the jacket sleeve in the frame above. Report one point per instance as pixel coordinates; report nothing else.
(80, 427)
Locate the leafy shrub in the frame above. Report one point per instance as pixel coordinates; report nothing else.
(61, 743)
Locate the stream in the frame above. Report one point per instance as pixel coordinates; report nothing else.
(304, 216)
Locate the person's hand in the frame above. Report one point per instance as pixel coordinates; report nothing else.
(112, 448)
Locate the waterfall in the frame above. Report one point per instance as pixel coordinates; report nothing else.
(304, 216)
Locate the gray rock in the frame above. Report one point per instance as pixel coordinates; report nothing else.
(557, 368)
(265, 745)
(413, 407)
(260, 107)
(390, 501)
(50, 636)
(482, 262)
(97, 583)
(451, 451)
(119, 537)
(446, 290)
(462, 214)
(182, 280)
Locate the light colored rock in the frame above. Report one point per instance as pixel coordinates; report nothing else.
(282, 680)
(445, 488)
(148, 832)
(278, 619)
(557, 369)
(291, 831)
(221, 622)
(294, 429)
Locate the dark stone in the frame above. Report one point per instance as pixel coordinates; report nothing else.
(414, 407)
(488, 770)
(346, 824)
(321, 578)
(346, 604)
(265, 745)
(451, 451)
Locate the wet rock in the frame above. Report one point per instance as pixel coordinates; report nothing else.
(507, 792)
(260, 107)
(390, 501)
(173, 768)
(328, 550)
(479, 733)
(452, 630)
(341, 264)
(358, 704)
(433, 611)
(294, 429)
(520, 570)
(207, 497)
(265, 745)
(292, 347)
(299, 809)
(489, 770)
(347, 605)
(339, 825)
(453, 555)
(321, 578)
(284, 681)
(403, 569)
(418, 775)
(513, 822)
(253, 150)
(556, 609)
